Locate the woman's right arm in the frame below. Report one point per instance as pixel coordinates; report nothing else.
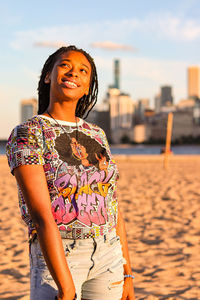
(32, 181)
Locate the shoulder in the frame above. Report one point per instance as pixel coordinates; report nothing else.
(93, 127)
(30, 130)
(96, 132)
(33, 125)
(33, 122)
(25, 144)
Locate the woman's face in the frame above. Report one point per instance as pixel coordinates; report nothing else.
(70, 77)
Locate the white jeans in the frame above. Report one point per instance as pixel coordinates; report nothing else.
(96, 265)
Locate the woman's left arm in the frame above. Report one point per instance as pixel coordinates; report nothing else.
(128, 289)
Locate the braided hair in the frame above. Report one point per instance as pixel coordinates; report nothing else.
(85, 103)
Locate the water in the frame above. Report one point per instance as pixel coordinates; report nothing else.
(155, 149)
(141, 149)
(2, 147)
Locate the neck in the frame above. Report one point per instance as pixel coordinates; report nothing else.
(62, 112)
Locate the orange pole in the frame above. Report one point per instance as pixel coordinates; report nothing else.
(168, 139)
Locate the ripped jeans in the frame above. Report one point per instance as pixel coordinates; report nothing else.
(96, 265)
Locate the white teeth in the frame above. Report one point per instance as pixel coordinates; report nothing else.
(71, 83)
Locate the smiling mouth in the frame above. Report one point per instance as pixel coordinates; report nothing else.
(70, 84)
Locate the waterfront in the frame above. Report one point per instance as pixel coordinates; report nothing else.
(154, 149)
(142, 149)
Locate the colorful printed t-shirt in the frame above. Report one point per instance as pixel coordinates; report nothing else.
(80, 172)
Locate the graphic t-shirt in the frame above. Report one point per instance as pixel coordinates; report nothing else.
(80, 172)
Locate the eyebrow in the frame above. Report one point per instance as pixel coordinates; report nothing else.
(66, 59)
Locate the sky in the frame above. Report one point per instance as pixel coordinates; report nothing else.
(154, 40)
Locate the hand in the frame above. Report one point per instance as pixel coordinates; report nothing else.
(128, 289)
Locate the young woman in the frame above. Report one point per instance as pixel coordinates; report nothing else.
(67, 178)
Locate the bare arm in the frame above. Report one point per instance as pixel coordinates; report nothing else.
(32, 181)
(128, 292)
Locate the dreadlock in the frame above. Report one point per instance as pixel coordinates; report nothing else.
(85, 103)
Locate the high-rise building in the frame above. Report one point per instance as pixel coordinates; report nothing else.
(116, 73)
(166, 96)
(116, 84)
(121, 109)
(143, 104)
(157, 100)
(28, 109)
(121, 115)
(194, 81)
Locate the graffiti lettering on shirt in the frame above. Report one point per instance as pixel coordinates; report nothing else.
(88, 204)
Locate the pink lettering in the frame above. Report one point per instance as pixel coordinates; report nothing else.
(73, 180)
(110, 174)
(94, 178)
(70, 213)
(63, 213)
(94, 218)
(58, 209)
(101, 210)
(87, 211)
(82, 214)
(102, 175)
(91, 205)
(62, 182)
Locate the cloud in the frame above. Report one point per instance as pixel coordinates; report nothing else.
(177, 28)
(53, 36)
(108, 45)
(49, 44)
(114, 34)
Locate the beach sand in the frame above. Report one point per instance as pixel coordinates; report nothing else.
(161, 211)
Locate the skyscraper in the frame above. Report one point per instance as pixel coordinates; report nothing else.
(28, 109)
(116, 73)
(121, 109)
(116, 69)
(166, 96)
(194, 81)
(157, 101)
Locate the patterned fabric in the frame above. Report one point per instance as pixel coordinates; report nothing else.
(80, 172)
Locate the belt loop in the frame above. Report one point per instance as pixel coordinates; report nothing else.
(31, 240)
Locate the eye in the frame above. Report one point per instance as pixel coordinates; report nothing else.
(84, 71)
(67, 65)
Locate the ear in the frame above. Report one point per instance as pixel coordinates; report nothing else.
(47, 78)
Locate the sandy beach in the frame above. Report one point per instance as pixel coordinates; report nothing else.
(161, 210)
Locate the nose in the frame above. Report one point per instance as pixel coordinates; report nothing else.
(72, 72)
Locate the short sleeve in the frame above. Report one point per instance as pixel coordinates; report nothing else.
(25, 146)
(105, 141)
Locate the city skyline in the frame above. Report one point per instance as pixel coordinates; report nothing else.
(155, 43)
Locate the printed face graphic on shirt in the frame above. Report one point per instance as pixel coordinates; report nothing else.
(81, 198)
(81, 149)
(79, 152)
